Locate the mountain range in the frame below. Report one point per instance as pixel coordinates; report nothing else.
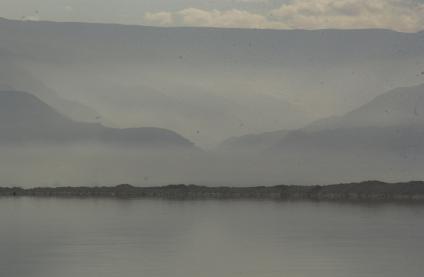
(345, 148)
(207, 84)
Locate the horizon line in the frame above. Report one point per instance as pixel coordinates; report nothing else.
(208, 27)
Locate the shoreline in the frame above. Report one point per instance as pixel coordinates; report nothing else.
(368, 191)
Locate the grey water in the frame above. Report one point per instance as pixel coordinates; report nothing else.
(128, 238)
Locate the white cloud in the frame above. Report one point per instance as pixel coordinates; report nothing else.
(213, 18)
(252, 1)
(159, 18)
(400, 15)
(228, 18)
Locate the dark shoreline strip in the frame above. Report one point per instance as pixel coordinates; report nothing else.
(374, 191)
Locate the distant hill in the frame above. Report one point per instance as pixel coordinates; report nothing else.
(13, 77)
(370, 191)
(392, 121)
(26, 119)
(399, 107)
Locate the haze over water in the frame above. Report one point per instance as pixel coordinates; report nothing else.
(73, 237)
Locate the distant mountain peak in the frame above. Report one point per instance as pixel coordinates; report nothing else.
(397, 107)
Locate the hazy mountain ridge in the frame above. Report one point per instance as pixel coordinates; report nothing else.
(369, 41)
(399, 107)
(394, 117)
(24, 118)
(12, 77)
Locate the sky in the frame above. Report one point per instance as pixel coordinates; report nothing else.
(399, 15)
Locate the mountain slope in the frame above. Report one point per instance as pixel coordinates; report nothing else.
(24, 118)
(399, 107)
(13, 77)
(398, 113)
(391, 123)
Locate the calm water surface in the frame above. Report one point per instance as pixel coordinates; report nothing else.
(126, 238)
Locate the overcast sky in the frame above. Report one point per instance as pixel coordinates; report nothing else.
(401, 15)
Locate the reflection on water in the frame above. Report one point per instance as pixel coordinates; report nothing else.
(72, 237)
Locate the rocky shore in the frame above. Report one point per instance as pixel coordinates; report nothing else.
(364, 191)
